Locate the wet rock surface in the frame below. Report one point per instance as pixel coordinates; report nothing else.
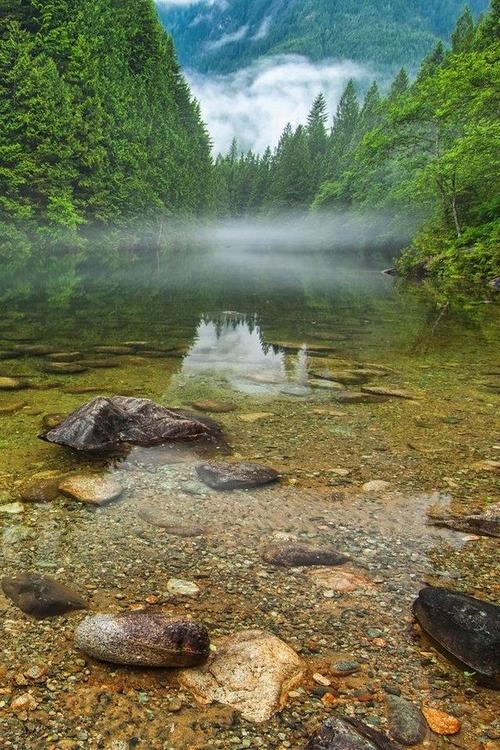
(349, 734)
(149, 639)
(252, 671)
(92, 490)
(106, 423)
(41, 596)
(290, 554)
(466, 627)
(406, 722)
(236, 475)
(486, 523)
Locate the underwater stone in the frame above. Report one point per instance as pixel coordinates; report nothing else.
(93, 490)
(41, 596)
(13, 384)
(106, 423)
(467, 628)
(349, 734)
(236, 475)
(148, 639)
(406, 722)
(291, 554)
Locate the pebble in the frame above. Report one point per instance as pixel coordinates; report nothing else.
(440, 722)
(11, 509)
(376, 486)
(406, 723)
(180, 587)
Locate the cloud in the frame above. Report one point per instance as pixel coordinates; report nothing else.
(263, 29)
(234, 36)
(254, 104)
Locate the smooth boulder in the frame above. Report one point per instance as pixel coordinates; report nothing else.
(104, 424)
(349, 734)
(41, 596)
(230, 475)
(147, 639)
(293, 554)
(467, 628)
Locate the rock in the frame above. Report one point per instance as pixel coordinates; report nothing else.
(93, 490)
(258, 416)
(329, 413)
(466, 627)
(6, 354)
(104, 424)
(376, 486)
(13, 384)
(8, 409)
(252, 671)
(406, 723)
(147, 639)
(347, 397)
(349, 734)
(321, 680)
(344, 668)
(326, 385)
(11, 509)
(180, 587)
(485, 524)
(24, 702)
(215, 407)
(40, 596)
(165, 520)
(116, 350)
(35, 350)
(50, 421)
(236, 475)
(64, 368)
(340, 581)
(64, 356)
(40, 490)
(294, 390)
(389, 392)
(100, 364)
(488, 465)
(346, 377)
(441, 723)
(293, 554)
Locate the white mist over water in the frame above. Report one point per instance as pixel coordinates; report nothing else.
(254, 104)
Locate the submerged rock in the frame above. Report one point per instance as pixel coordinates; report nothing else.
(41, 596)
(8, 409)
(13, 384)
(467, 628)
(215, 407)
(64, 368)
(349, 734)
(406, 722)
(440, 722)
(346, 377)
(253, 671)
(291, 554)
(485, 524)
(236, 475)
(93, 490)
(148, 639)
(40, 490)
(169, 522)
(64, 356)
(347, 397)
(389, 392)
(104, 424)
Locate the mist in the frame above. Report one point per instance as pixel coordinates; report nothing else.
(254, 104)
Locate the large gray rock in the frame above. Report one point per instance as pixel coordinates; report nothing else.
(253, 671)
(232, 475)
(148, 639)
(41, 596)
(349, 734)
(467, 628)
(105, 424)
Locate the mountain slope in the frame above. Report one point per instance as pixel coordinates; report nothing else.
(219, 36)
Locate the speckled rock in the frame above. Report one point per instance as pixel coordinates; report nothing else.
(236, 475)
(253, 671)
(440, 722)
(41, 596)
(104, 424)
(349, 734)
(93, 490)
(406, 723)
(149, 639)
(293, 554)
(466, 627)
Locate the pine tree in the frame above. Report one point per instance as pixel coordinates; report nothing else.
(399, 85)
(318, 138)
(463, 35)
(345, 125)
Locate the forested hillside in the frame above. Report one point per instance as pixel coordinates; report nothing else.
(427, 151)
(226, 36)
(97, 126)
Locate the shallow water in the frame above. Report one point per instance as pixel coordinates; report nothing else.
(255, 341)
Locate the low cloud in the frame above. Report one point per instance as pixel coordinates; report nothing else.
(225, 39)
(254, 104)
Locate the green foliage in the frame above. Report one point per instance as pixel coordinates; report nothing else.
(386, 33)
(97, 125)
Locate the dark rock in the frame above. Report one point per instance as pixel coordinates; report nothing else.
(149, 639)
(116, 350)
(40, 596)
(347, 397)
(467, 628)
(106, 423)
(64, 368)
(349, 734)
(6, 354)
(236, 476)
(291, 554)
(406, 722)
(100, 364)
(391, 272)
(485, 524)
